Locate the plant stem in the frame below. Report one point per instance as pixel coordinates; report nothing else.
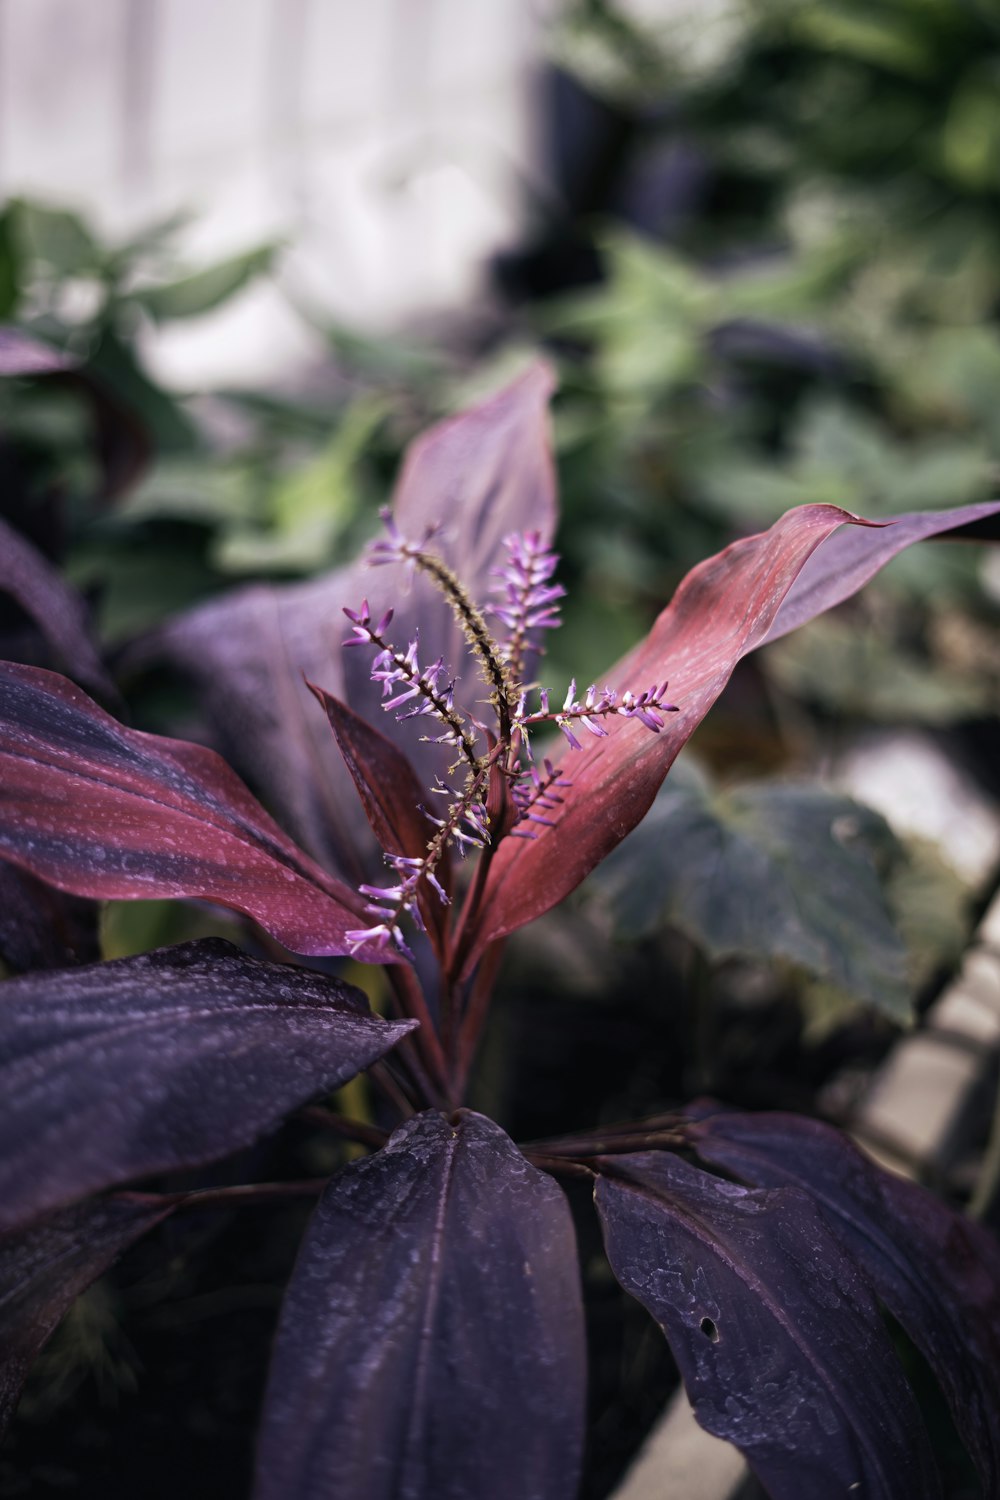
(474, 1019)
(351, 1130)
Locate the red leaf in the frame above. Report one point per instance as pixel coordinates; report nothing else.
(724, 609)
(778, 1336)
(850, 559)
(118, 1070)
(390, 794)
(104, 811)
(431, 1342)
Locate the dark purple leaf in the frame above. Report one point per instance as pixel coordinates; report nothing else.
(121, 440)
(722, 610)
(483, 474)
(44, 1268)
(42, 928)
(118, 1070)
(109, 812)
(431, 1343)
(845, 563)
(777, 1334)
(55, 607)
(937, 1272)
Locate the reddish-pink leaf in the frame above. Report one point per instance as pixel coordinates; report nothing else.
(937, 1272)
(114, 1071)
(45, 1268)
(481, 475)
(431, 1344)
(390, 793)
(777, 1334)
(850, 559)
(722, 610)
(100, 810)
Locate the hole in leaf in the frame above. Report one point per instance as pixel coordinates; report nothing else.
(710, 1330)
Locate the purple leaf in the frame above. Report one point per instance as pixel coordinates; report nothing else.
(848, 561)
(937, 1272)
(483, 474)
(20, 354)
(42, 928)
(44, 1268)
(722, 610)
(431, 1343)
(101, 810)
(121, 440)
(776, 1332)
(118, 1070)
(55, 607)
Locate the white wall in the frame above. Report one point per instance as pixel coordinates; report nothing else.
(388, 140)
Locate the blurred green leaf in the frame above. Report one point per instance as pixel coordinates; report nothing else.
(311, 507)
(768, 870)
(205, 290)
(59, 239)
(850, 669)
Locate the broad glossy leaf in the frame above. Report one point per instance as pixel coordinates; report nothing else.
(45, 1268)
(483, 474)
(105, 811)
(766, 870)
(118, 1070)
(937, 1272)
(722, 610)
(777, 1334)
(42, 928)
(55, 607)
(431, 1344)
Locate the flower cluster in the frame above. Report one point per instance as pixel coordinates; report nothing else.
(529, 599)
(504, 790)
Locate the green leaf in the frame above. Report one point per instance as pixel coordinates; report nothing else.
(10, 268)
(848, 669)
(769, 870)
(57, 238)
(208, 289)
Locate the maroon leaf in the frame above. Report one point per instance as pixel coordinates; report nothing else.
(390, 793)
(44, 1268)
(483, 474)
(937, 1272)
(722, 610)
(55, 607)
(776, 1332)
(118, 1070)
(42, 928)
(431, 1343)
(105, 811)
(850, 559)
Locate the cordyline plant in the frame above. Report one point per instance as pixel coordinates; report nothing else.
(431, 1342)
